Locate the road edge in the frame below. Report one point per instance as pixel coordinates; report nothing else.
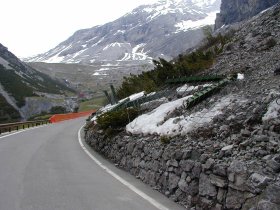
(117, 177)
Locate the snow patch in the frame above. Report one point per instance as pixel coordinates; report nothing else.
(240, 76)
(103, 69)
(156, 122)
(137, 47)
(99, 74)
(78, 53)
(95, 44)
(152, 122)
(137, 53)
(115, 44)
(136, 96)
(186, 88)
(133, 96)
(91, 39)
(191, 25)
(119, 32)
(55, 59)
(126, 57)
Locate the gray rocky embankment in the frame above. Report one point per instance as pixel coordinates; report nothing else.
(201, 173)
(232, 162)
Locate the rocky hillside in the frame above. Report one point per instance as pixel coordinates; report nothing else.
(238, 10)
(19, 81)
(163, 29)
(223, 153)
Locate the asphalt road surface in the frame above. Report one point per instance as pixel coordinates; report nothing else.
(47, 169)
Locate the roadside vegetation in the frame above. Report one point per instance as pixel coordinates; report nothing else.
(117, 119)
(188, 64)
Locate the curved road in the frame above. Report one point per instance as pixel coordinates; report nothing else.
(47, 169)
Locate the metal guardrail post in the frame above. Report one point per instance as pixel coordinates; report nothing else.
(108, 97)
(115, 99)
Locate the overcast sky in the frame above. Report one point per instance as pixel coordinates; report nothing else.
(29, 27)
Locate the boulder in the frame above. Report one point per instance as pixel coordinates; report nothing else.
(173, 181)
(206, 188)
(234, 199)
(218, 181)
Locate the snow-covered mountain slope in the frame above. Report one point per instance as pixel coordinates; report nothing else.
(163, 29)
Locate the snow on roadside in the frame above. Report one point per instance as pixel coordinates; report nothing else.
(136, 96)
(155, 121)
(273, 111)
(149, 123)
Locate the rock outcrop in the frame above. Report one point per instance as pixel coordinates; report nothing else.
(238, 10)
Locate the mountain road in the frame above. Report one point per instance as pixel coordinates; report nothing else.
(50, 167)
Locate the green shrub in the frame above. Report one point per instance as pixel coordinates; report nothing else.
(117, 119)
(58, 110)
(165, 139)
(137, 83)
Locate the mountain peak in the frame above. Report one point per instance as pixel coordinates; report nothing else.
(163, 29)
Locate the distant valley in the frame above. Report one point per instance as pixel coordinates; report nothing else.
(94, 77)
